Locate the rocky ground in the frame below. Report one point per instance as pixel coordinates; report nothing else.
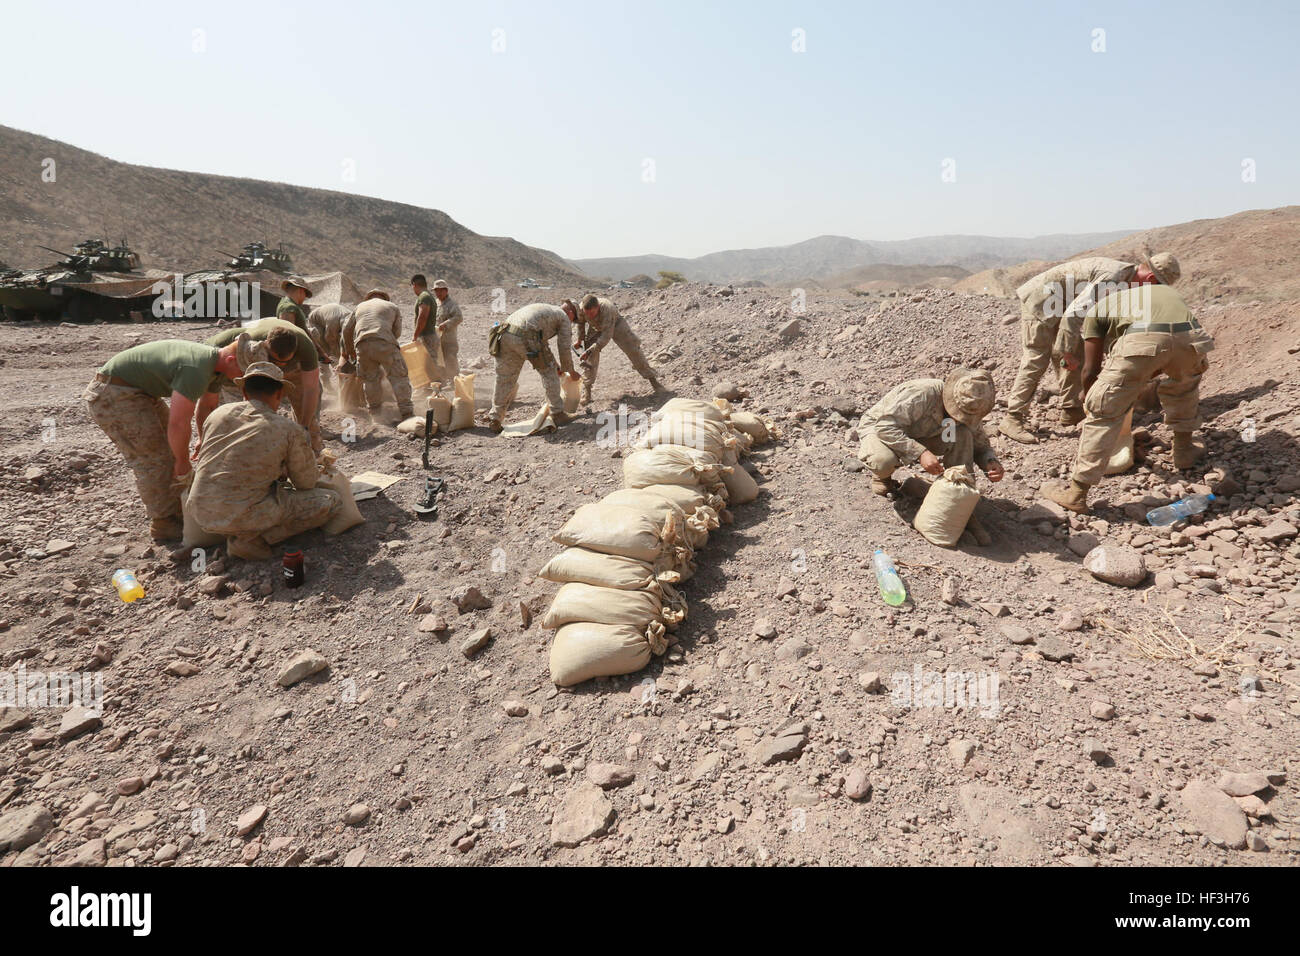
(1153, 723)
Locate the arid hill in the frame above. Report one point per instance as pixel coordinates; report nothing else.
(178, 220)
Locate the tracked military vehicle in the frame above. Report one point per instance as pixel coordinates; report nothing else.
(256, 256)
(93, 282)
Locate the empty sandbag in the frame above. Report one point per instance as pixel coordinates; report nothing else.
(617, 529)
(419, 364)
(577, 602)
(1121, 460)
(572, 389)
(947, 507)
(741, 486)
(580, 565)
(348, 516)
(673, 465)
(583, 650)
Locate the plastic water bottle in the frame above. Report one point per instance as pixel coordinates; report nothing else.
(890, 584)
(128, 588)
(1168, 514)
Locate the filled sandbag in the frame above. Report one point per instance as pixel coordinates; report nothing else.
(1121, 460)
(348, 515)
(583, 650)
(947, 507)
(706, 410)
(582, 566)
(414, 426)
(441, 411)
(753, 426)
(617, 529)
(741, 486)
(698, 522)
(687, 497)
(193, 535)
(577, 602)
(419, 364)
(571, 387)
(692, 431)
(462, 405)
(673, 465)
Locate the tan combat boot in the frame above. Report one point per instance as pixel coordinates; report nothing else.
(251, 547)
(883, 486)
(166, 529)
(1071, 416)
(1071, 497)
(1187, 451)
(1014, 428)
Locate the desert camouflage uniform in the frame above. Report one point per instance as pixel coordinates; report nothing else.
(910, 419)
(527, 332)
(1046, 337)
(137, 424)
(236, 491)
(296, 395)
(325, 326)
(1135, 358)
(608, 326)
(371, 331)
(449, 312)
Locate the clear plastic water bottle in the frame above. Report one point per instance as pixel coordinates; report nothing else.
(887, 579)
(1168, 514)
(128, 588)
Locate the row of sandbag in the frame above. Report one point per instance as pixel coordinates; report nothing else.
(626, 553)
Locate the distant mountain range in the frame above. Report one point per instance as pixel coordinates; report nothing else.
(829, 256)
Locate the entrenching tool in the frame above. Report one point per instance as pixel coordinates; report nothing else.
(428, 506)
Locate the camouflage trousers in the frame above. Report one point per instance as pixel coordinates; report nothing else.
(450, 355)
(280, 515)
(1037, 337)
(883, 460)
(137, 424)
(1134, 360)
(509, 363)
(377, 357)
(627, 340)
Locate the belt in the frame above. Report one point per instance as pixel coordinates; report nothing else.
(111, 380)
(1192, 326)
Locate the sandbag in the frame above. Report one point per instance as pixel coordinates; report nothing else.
(751, 425)
(947, 507)
(193, 535)
(542, 423)
(582, 651)
(673, 465)
(413, 426)
(617, 529)
(691, 431)
(419, 364)
(462, 405)
(697, 523)
(579, 565)
(352, 393)
(741, 486)
(463, 386)
(577, 602)
(441, 411)
(572, 388)
(687, 497)
(706, 410)
(1121, 460)
(348, 516)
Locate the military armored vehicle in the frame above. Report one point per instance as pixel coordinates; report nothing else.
(256, 256)
(94, 281)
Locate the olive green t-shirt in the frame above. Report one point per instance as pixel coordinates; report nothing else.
(166, 366)
(431, 323)
(291, 311)
(305, 356)
(1154, 303)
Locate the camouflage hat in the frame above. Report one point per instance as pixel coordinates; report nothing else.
(968, 395)
(441, 284)
(248, 352)
(1164, 265)
(262, 370)
(295, 283)
(377, 294)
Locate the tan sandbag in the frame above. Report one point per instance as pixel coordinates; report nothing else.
(193, 535)
(419, 364)
(698, 523)
(753, 426)
(348, 516)
(572, 388)
(741, 486)
(579, 565)
(705, 410)
(582, 651)
(1122, 459)
(692, 431)
(688, 497)
(578, 602)
(673, 465)
(541, 423)
(463, 386)
(462, 414)
(413, 426)
(947, 507)
(616, 529)
(441, 411)
(352, 393)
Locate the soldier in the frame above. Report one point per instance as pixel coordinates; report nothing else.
(1148, 330)
(293, 350)
(290, 308)
(933, 422)
(449, 319)
(603, 325)
(325, 326)
(370, 337)
(426, 309)
(523, 338)
(126, 401)
(1049, 331)
(247, 448)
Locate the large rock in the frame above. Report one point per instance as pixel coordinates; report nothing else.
(1243, 784)
(1215, 814)
(77, 721)
(607, 776)
(585, 812)
(1116, 565)
(469, 598)
(786, 744)
(21, 828)
(301, 666)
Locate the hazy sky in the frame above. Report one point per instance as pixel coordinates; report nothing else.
(610, 128)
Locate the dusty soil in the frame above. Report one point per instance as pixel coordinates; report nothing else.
(1096, 754)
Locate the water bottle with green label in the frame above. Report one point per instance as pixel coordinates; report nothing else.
(891, 585)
